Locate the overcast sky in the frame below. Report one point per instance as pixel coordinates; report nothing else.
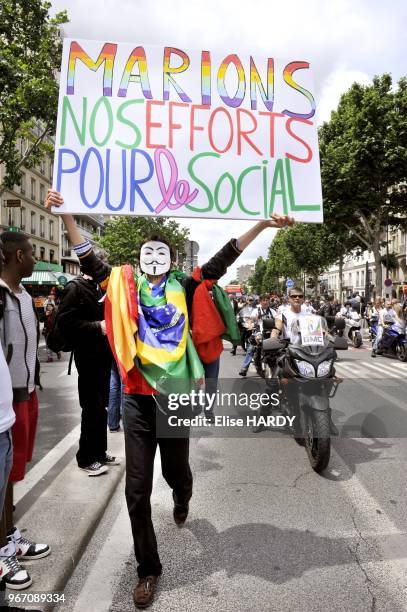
(344, 40)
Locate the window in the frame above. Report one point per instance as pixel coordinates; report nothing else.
(11, 217)
(22, 218)
(51, 255)
(51, 169)
(42, 253)
(34, 249)
(42, 227)
(362, 280)
(33, 189)
(33, 223)
(42, 193)
(42, 166)
(51, 230)
(23, 184)
(357, 278)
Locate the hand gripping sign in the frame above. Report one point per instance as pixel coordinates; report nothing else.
(160, 131)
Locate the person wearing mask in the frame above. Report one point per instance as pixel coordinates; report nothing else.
(19, 333)
(161, 308)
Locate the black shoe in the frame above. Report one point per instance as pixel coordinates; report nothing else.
(373, 354)
(242, 372)
(233, 352)
(180, 512)
(258, 428)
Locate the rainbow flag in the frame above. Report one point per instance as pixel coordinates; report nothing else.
(148, 328)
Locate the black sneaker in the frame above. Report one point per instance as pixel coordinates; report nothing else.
(242, 372)
(110, 460)
(95, 469)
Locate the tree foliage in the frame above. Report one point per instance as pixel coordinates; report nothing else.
(364, 163)
(123, 236)
(256, 278)
(30, 56)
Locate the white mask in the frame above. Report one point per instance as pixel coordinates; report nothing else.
(155, 258)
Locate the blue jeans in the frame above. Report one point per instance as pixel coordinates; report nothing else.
(211, 375)
(114, 409)
(248, 357)
(6, 461)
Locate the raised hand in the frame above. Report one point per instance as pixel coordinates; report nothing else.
(54, 198)
(280, 221)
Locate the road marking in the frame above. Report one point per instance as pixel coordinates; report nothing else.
(97, 592)
(41, 468)
(386, 373)
(378, 391)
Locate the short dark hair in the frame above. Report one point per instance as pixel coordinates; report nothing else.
(265, 296)
(157, 238)
(11, 242)
(295, 290)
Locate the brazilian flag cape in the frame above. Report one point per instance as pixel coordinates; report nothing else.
(148, 327)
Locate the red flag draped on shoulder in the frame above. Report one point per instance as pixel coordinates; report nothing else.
(121, 321)
(206, 322)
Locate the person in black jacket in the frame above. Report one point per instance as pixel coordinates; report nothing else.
(139, 405)
(328, 311)
(80, 317)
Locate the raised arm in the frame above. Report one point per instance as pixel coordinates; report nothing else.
(54, 198)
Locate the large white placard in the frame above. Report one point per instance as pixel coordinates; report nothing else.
(163, 131)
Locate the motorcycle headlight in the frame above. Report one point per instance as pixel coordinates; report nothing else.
(305, 368)
(324, 368)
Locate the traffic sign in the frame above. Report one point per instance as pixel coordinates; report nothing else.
(62, 280)
(388, 282)
(289, 283)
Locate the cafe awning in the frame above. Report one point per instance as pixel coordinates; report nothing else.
(46, 277)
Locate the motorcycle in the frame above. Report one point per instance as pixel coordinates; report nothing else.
(352, 329)
(306, 380)
(393, 342)
(257, 339)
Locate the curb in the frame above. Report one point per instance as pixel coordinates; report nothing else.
(65, 516)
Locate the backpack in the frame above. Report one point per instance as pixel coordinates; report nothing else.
(55, 340)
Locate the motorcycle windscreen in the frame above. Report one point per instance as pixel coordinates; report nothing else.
(310, 332)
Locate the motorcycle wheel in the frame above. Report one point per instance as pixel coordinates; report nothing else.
(357, 340)
(318, 440)
(401, 352)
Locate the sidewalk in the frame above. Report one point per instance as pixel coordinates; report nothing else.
(65, 516)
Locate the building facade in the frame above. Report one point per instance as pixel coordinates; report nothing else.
(23, 208)
(359, 271)
(90, 226)
(244, 273)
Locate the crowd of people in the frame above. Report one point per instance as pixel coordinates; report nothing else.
(251, 310)
(128, 333)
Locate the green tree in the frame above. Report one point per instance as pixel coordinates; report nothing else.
(256, 279)
(364, 163)
(30, 56)
(122, 236)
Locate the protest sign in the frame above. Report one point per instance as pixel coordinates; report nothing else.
(161, 131)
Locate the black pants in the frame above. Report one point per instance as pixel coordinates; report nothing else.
(139, 414)
(93, 388)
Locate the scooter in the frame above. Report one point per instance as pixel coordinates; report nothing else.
(306, 380)
(373, 327)
(393, 342)
(352, 329)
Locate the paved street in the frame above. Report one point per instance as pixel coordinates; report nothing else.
(265, 532)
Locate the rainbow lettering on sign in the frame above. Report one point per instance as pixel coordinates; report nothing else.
(206, 78)
(108, 55)
(288, 78)
(241, 88)
(137, 56)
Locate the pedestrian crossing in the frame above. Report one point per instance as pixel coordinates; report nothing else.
(380, 368)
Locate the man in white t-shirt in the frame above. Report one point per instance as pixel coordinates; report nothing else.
(284, 319)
